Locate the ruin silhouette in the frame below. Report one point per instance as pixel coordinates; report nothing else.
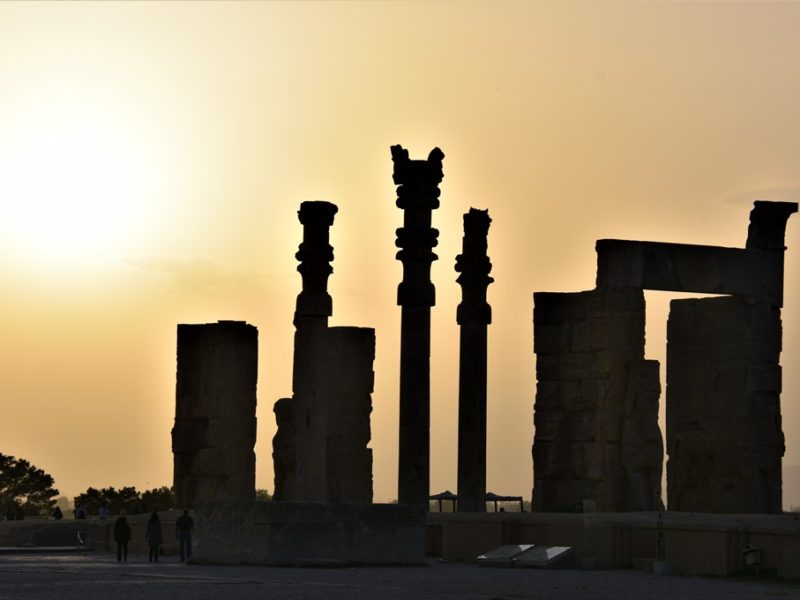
(320, 450)
(417, 195)
(473, 316)
(596, 410)
(597, 443)
(215, 413)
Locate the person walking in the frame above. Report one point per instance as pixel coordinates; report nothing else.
(122, 535)
(154, 536)
(184, 527)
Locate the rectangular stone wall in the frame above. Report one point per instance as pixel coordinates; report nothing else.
(596, 410)
(215, 413)
(309, 534)
(350, 381)
(724, 437)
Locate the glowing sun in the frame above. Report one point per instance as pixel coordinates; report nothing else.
(71, 187)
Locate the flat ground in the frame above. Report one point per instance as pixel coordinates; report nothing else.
(74, 576)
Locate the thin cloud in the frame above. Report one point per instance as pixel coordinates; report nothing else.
(193, 275)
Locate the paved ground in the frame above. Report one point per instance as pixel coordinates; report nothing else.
(98, 576)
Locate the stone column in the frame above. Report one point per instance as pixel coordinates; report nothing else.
(313, 308)
(350, 381)
(417, 196)
(473, 315)
(596, 411)
(724, 437)
(215, 413)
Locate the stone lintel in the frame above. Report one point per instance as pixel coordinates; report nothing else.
(690, 268)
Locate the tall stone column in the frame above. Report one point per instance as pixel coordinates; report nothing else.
(473, 315)
(417, 196)
(215, 413)
(313, 308)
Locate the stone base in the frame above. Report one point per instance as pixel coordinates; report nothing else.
(304, 534)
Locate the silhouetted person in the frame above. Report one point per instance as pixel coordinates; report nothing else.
(184, 527)
(103, 511)
(154, 536)
(80, 512)
(57, 514)
(122, 535)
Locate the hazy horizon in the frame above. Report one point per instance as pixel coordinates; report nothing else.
(153, 157)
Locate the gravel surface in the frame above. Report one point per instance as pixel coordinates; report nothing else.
(67, 577)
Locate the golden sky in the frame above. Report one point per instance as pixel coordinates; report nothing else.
(153, 157)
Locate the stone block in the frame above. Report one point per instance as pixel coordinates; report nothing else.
(557, 395)
(574, 366)
(557, 425)
(551, 338)
(594, 394)
(688, 268)
(607, 427)
(215, 424)
(764, 379)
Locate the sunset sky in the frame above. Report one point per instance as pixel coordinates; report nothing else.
(153, 157)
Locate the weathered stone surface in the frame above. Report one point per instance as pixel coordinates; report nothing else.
(642, 445)
(215, 422)
(283, 451)
(724, 436)
(349, 385)
(596, 411)
(309, 534)
(417, 196)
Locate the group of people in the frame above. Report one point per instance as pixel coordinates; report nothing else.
(154, 535)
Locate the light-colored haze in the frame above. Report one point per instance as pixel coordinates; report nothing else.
(153, 157)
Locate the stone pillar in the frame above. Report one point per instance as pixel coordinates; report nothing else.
(417, 196)
(473, 315)
(215, 413)
(724, 437)
(596, 412)
(350, 381)
(313, 308)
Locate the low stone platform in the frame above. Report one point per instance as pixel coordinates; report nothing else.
(304, 534)
(694, 543)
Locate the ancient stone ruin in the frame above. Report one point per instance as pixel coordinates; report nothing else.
(215, 413)
(594, 389)
(322, 513)
(348, 384)
(596, 407)
(473, 316)
(320, 449)
(417, 195)
(313, 308)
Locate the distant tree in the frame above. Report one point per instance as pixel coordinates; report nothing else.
(158, 499)
(128, 499)
(263, 495)
(24, 489)
(91, 500)
(115, 500)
